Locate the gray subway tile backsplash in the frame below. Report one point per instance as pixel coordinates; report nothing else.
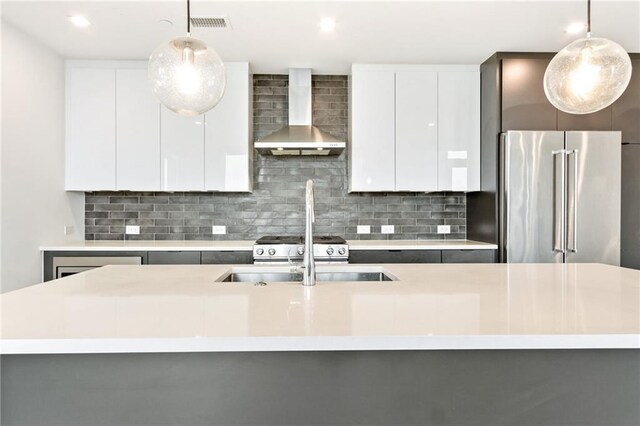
(276, 205)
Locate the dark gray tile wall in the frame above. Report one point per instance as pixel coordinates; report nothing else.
(276, 207)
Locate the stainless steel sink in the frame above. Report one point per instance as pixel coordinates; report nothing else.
(264, 275)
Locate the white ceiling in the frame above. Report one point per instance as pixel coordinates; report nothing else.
(275, 35)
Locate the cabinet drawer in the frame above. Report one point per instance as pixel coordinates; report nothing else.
(468, 256)
(226, 257)
(394, 256)
(174, 258)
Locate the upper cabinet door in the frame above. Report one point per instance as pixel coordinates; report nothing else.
(459, 131)
(90, 148)
(228, 148)
(182, 151)
(626, 110)
(524, 103)
(138, 132)
(372, 144)
(416, 131)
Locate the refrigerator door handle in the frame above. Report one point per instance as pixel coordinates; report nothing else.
(504, 197)
(572, 218)
(559, 201)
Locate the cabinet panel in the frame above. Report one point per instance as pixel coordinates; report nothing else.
(630, 218)
(138, 132)
(626, 110)
(395, 256)
(182, 152)
(228, 158)
(90, 147)
(372, 144)
(600, 120)
(459, 131)
(174, 258)
(524, 103)
(416, 120)
(227, 257)
(468, 256)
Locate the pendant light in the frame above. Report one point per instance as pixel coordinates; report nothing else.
(186, 75)
(587, 75)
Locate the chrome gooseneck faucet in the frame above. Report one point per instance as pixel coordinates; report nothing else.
(309, 263)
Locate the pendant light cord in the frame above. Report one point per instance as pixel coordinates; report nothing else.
(588, 17)
(189, 17)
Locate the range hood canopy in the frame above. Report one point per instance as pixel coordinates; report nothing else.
(300, 137)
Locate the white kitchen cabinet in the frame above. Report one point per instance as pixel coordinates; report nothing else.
(372, 142)
(414, 128)
(90, 146)
(138, 132)
(459, 131)
(416, 131)
(118, 137)
(228, 144)
(181, 151)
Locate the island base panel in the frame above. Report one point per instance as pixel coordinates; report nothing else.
(511, 387)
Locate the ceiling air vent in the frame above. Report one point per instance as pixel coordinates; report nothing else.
(210, 22)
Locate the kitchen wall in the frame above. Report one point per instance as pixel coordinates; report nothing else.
(276, 205)
(34, 206)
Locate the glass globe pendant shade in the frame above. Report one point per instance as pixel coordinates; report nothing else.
(587, 75)
(187, 76)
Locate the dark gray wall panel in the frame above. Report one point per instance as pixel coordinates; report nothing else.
(580, 387)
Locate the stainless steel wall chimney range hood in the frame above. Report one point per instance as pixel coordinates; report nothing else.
(300, 137)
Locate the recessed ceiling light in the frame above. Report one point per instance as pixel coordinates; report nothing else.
(79, 21)
(575, 28)
(327, 25)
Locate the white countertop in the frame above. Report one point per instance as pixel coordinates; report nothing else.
(164, 308)
(248, 245)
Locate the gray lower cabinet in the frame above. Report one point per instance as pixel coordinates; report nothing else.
(422, 256)
(395, 256)
(468, 256)
(174, 258)
(227, 257)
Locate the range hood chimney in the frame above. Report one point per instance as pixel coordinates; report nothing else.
(300, 137)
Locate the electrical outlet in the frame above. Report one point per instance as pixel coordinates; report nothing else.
(132, 230)
(68, 230)
(219, 230)
(444, 229)
(364, 229)
(387, 229)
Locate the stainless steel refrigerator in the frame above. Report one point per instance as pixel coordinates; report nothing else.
(560, 197)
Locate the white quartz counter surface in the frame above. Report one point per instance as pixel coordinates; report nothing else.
(163, 308)
(248, 245)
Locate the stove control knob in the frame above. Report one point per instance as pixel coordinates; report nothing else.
(272, 251)
(300, 251)
(341, 251)
(330, 251)
(259, 251)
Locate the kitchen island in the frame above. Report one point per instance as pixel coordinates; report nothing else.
(439, 344)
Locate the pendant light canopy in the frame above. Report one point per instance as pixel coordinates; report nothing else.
(587, 75)
(186, 75)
